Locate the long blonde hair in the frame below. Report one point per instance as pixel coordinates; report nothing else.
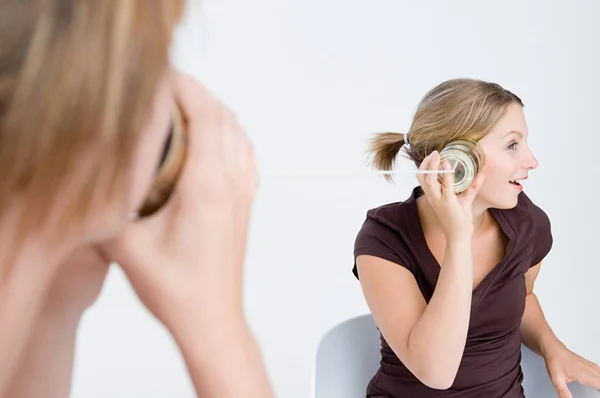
(457, 108)
(77, 83)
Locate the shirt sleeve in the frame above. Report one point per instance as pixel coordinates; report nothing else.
(536, 224)
(379, 240)
(544, 240)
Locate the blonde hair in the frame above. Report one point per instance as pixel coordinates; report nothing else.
(457, 108)
(77, 83)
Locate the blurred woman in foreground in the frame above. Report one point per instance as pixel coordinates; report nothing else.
(87, 100)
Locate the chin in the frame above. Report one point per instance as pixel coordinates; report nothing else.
(507, 205)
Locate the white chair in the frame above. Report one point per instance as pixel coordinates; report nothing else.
(348, 357)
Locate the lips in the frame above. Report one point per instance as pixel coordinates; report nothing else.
(516, 182)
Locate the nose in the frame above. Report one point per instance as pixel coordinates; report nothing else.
(530, 162)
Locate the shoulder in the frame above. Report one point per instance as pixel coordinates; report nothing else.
(383, 234)
(389, 215)
(395, 216)
(387, 220)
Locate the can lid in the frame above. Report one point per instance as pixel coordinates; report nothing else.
(465, 163)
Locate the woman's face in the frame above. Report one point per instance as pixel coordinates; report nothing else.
(152, 142)
(508, 160)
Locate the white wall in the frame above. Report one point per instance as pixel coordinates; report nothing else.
(311, 79)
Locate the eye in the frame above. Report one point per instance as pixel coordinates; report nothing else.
(512, 146)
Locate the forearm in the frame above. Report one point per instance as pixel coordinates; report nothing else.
(536, 334)
(16, 328)
(46, 368)
(436, 343)
(222, 357)
(21, 302)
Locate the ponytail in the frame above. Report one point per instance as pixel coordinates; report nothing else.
(383, 150)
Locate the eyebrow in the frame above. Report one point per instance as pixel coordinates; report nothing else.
(514, 132)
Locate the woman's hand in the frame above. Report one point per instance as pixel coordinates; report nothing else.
(190, 254)
(186, 261)
(454, 211)
(564, 366)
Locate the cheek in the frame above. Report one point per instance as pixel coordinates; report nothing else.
(495, 177)
(498, 170)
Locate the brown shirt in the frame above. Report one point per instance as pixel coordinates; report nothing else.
(490, 366)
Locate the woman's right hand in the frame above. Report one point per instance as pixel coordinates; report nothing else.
(453, 210)
(187, 259)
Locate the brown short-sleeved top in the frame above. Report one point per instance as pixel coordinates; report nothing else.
(490, 366)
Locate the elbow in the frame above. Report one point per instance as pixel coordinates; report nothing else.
(429, 368)
(436, 381)
(434, 377)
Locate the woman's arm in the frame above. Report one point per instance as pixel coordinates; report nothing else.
(221, 354)
(563, 365)
(22, 293)
(47, 364)
(536, 333)
(428, 338)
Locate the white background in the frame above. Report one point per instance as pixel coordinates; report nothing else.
(310, 80)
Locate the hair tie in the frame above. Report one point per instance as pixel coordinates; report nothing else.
(405, 138)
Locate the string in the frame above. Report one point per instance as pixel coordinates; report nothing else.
(382, 172)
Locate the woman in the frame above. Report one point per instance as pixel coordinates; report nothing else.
(449, 277)
(86, 100)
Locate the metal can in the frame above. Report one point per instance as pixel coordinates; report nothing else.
(465, 158)
(169, 169)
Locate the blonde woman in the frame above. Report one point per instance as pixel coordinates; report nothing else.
(86, 104)
(449, 277)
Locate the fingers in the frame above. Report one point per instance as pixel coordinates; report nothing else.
(589, 376)
(202, 113)
(596, 372)
(432, 190)
(424, 166)
(221, 158)
(560, 385)
(251, 168)
(447, 181)
(232, 142)
(193, 97)
(432, 179)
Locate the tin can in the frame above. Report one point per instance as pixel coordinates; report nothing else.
(170, 166)
(465, 158)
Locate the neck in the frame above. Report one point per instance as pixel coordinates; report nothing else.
(480, 213)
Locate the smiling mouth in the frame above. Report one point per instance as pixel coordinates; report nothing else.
(517, 181)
